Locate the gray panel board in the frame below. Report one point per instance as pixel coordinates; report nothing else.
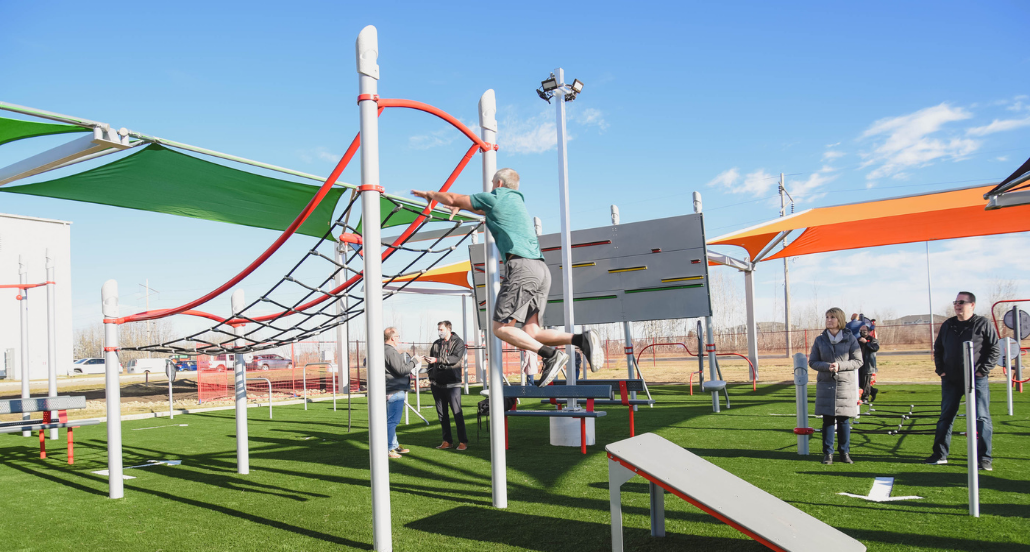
(41, 404)
(681, 253)
(739, 501)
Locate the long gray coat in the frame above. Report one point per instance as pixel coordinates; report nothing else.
(836, 394)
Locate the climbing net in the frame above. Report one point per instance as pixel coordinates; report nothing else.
(328, 283)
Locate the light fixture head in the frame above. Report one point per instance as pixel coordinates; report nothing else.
(549, 84)
(543, 95)
(577, 86)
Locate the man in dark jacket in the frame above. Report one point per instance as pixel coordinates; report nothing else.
(869, 346)
(948, 359)
(398, 381)
(445, 366)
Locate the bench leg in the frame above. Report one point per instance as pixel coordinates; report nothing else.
(617, 475)
(42, 445)
(71, 446)
(657, 510)
(632, 428)
(583, 435)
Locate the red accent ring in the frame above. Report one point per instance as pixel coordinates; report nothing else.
(373, 97)
(111, 349)
(804, 430)
(710, 347)
(351, 238)
(487, 146)
(628, 350)
(111, 321)
(18, 297)
(371, 188)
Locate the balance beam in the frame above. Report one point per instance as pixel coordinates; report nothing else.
(733, 501)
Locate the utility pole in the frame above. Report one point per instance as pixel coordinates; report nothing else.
(146, 287)
(786, 271)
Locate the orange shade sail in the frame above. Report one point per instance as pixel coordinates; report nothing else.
(456, 274)
(925, 217)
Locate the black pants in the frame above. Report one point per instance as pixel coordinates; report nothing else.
(444, 397)
(865, 380)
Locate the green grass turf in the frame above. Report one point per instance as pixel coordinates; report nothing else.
(309, 483)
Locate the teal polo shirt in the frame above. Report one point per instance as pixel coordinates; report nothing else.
(509, 222)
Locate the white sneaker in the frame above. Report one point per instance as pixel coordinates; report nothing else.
(593, 350)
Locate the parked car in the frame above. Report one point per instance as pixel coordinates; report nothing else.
(152, 365)
(91, 366)
(219, 363)
(269, 362)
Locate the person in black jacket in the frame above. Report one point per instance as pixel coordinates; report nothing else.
(445, 367)
(948, 360)
(869, 346)
(398, 381)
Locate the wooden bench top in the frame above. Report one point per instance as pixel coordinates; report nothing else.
(734, 501)
(41, 404)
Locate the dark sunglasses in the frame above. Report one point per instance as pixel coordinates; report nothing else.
(960, 303)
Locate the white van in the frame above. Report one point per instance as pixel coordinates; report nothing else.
(152, 365)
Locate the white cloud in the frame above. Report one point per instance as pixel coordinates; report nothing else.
(587, 117)
(319, 153)
(906, 141)
(833, 154)
(998, 126)
(1002, 158)
(726, 179)
(534, 135)
(805, 191)
(434, 139)
(758, 183)
(1018, 105)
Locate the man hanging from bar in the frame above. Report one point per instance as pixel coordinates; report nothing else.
(523, 294)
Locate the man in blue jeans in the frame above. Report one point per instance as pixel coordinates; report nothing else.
(398, 381)
(948, 360)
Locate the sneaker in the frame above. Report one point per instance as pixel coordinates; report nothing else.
(986, 465)
(827, 459)
(935, 460)
(551, 368)
(443, 445)
(401, 450)
(394, 454)
(593, 350)
(846, 458)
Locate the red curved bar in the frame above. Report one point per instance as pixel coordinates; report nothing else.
(24, 286)
(411, 104)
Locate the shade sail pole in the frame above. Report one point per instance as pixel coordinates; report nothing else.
(929, 293)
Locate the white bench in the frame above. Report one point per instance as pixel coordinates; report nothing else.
(733, 501)
(46, 405)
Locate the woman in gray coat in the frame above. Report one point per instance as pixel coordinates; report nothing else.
(837, 356)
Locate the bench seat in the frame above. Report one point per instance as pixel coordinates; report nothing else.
(621, 389)
(47, 405)
(32, 425)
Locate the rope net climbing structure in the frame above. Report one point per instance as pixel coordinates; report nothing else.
(322, 290)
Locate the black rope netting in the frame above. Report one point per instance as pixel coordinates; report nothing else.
(299, 319)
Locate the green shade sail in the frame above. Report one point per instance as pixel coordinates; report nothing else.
(13, 129)
(162, 180)
(407, 213)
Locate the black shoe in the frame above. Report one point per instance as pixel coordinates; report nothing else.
(827, 459)
(846, 458)
(552, 366)
(985, 465)
(593, 350)
(936, 460)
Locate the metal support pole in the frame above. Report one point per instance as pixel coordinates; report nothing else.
(169, 371)
(801, 399)
(51, 335)
(109, 302)
(465, 339)
(752, 325)
(1018, 334)
(929, 293)
(240, 373)
(711, 360)
(342, 344)
(971, 437)
(566, 224)
(627, 328)
(23, 315)
(367, 51)
(1007, 343)
(786, 274)
(498, 459)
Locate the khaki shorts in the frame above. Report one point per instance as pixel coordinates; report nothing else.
(527, 282)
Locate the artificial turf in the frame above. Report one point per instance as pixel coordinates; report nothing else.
(309, 483)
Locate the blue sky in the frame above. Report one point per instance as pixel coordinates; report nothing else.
(852, 102)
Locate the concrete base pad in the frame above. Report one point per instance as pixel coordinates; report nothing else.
(565, 432)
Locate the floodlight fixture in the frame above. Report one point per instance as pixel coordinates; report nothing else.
(546, 96)
(549, 84)
(577, 86)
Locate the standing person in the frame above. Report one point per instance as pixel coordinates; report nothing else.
(837, 357)
(523, 294)
(872, 359)
(869, 346)
(949, 365)
(854, 324)
(445, 363)
(398, 381)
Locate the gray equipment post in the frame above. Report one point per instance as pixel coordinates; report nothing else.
(465, 339)
(1007, 343)
(51, 333)
(23, 315)
(973, 462)
(109, 302)
(342, 337)
(1017, 332)
(801, 399)
(367, 51)
(170, 372)
(240, 373)
(627, 329)
(498, 458)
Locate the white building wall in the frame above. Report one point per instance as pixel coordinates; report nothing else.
(31, 238)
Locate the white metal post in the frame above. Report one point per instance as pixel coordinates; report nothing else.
(710, 342)
(929, 293)
(342, 340)
(1017, 333)
(566, 232)
(971, 438)
(786, 275)
(240, 372)
(801, 399)
(498, 459)
(367, 52)
(752, 326)
(51, 335)
(627, 328)
(465, 338)
(23, 315)
(109, 301)
(481, 369)
(1008, 342)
